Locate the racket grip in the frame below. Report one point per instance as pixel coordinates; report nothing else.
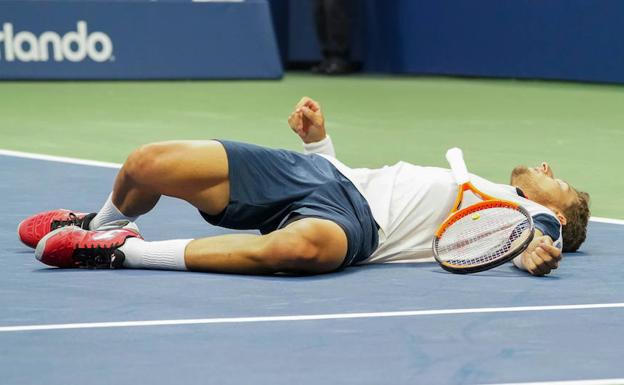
(455, 158)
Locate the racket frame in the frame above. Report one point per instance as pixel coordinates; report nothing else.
(460, 173)
(457, 215)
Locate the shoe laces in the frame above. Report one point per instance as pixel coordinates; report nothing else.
(73, 220)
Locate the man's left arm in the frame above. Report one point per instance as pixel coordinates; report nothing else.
(541, 257)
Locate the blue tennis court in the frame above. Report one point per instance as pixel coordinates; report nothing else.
(390, 324)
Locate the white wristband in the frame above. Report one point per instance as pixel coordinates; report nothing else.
(517, 261)
(325, 147)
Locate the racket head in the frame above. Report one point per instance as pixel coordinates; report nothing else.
(483, 236)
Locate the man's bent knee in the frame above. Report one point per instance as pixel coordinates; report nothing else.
(313, 246)
(145, 163)
(290, 252)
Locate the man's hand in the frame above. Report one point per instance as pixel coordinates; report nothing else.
(307, 121)
(541, 257)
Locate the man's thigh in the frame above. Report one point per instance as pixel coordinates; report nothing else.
(196, 171)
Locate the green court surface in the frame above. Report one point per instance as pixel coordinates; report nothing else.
(577, 128)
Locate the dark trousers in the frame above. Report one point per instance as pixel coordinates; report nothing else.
(333, 22)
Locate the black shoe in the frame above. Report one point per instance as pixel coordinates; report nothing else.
(338, 66)
(320, 68)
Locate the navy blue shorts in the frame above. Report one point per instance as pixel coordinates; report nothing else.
(270, 188)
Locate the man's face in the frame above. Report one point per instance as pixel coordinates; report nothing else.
(540, 185)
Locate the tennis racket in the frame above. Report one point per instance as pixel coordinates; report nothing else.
(483, 235)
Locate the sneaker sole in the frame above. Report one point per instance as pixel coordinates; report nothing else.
(42, 243)
(120, 224)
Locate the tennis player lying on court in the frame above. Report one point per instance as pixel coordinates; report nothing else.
(315, 214)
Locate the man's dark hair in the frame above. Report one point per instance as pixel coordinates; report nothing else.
(577, 216)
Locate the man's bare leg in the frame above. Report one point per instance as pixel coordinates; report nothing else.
(307, 246)
(197, 171)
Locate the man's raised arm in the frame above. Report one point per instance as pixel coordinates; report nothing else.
(308, 122)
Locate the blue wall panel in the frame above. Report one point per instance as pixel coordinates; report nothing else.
(548, 39)
(554, 39)
(147, 40)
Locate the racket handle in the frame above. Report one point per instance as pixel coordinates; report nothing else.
(455, 158)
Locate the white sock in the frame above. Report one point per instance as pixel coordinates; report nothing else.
(108, 213)
(163, 255)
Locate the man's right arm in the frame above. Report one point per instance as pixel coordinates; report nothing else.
(308, 122)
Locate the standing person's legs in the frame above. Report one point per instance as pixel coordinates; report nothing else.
(338, 22)
(333, 22)
(320, 19)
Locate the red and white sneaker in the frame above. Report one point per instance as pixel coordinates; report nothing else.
(71, 246)
(33, 228)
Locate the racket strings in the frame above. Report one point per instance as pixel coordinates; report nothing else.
(483, 237)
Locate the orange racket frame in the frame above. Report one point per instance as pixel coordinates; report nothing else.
(458, 167)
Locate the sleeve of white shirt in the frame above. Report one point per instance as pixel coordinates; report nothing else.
(325, 147)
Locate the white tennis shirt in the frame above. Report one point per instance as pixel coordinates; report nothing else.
(409, 203)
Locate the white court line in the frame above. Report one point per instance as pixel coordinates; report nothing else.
(607, 220)
(607, 381)
(96, 163)
(60, 159)
(310, 317)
